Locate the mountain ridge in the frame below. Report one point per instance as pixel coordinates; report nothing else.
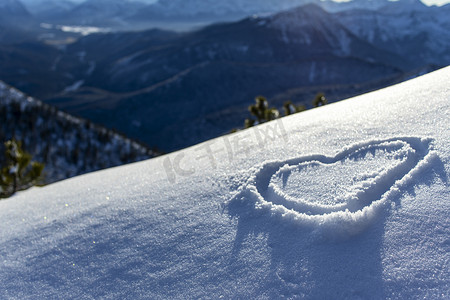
(67, 145)
(306, 44)
(191, 13)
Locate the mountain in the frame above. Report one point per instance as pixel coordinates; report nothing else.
(30, 66)
(182, 88)
(13, 13)
(212, 10)
(372, 5)
(12, 8)
(16, 23)
(232, 10)
(347, 201)
(68, 146)
(94, 13)
(12, 35)
(420, 31)
(177, 14)
(45, 9)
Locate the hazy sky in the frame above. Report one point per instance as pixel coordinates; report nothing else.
(428, 2)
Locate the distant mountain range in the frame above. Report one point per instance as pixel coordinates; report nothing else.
(126, 13)
(175, 89)
(235, 9)
(91, 12)
(48, 9)
(68, 146)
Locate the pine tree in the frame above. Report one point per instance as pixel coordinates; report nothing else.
(290, 108)
(262, 112)
(19, 172)
(320, 100)
(249, 123)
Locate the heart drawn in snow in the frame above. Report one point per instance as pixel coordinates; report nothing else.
(347, 188)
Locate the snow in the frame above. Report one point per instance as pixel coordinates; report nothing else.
(83, 30)
(347, 201)
(75, 86)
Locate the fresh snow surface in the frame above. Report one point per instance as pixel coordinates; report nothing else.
(347, 201)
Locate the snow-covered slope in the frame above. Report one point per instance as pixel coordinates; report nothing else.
(348, 201)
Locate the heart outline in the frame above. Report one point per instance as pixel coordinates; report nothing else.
(255, 189)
